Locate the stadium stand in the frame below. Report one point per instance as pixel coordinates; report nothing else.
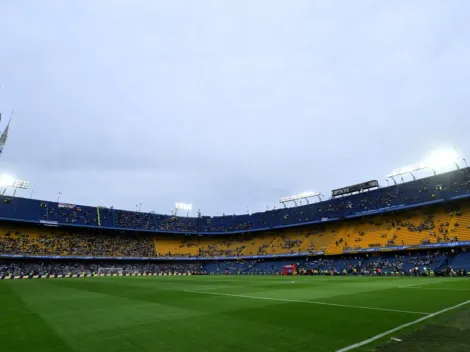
(134, 220)
(172, 246)
(176, 224)
(46, 241)
(427, 214)
(434, 189)
(461, 261)
(434, 224)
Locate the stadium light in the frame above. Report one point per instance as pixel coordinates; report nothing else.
(20, 184)
(304, 195)
(183, 206)
(441, 158)
(435, 160)
(9, 181)
(406, 170)
(6, 180)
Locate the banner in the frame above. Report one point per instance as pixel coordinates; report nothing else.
(49, 223)
(301, 254)
(354, 188)
(65, 205)
(400, 248)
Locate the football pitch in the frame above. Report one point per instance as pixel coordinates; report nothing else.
(235, 313)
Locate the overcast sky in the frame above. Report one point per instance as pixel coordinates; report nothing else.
(230, 104)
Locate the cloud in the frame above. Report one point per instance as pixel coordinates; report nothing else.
(227, 104)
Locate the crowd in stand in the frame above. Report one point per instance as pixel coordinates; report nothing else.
(224, 248)
(176, 224)
(288, 243)
(426, 260)
(395, 264)
(77, 244)
(71, 214)
(134, 220)
(230, 266)
(320, 264)
(225, 224)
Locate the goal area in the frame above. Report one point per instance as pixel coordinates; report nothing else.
(110, 271)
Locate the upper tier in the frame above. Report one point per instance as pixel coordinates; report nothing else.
(443, 187)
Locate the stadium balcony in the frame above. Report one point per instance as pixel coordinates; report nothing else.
(431, 189)
(433, 226)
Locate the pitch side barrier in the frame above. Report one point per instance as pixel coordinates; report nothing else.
(66, 276)
(323, 220)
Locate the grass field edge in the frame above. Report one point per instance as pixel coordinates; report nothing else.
(401, 327)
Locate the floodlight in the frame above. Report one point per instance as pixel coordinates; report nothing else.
(183, 206)
(406, 170)
(302, 195)
(6, 180)
(20, 184)
(436, 160)
(441, 158)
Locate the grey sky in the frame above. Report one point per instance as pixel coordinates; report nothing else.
(226, 104)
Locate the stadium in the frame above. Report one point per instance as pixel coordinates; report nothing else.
(270, 129)
(391, 257)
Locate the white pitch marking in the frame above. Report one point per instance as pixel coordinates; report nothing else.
(216, 288)
(248, 286)
(437, 288)
(388, 332)
(421, 284)
(308, 302)
(263, 284)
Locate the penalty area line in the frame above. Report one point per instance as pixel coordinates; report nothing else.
(422, 284)
(437, 288)
(307, 302)
(391, 331)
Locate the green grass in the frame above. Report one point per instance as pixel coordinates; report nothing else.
(158, 314)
